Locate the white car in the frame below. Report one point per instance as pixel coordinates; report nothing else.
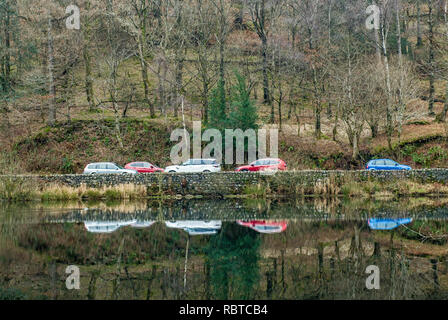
(107, 168)
(195, 228)
(196, 165)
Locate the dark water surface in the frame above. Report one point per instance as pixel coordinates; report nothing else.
(226, 249)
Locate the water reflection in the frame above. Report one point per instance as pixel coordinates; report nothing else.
(250, 250)
(265, 226)
(112, 226)
(387, 224)
(196, 228)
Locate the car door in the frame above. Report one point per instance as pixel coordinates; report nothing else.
(101, 168)
(381, 165)
(256, 166)
(273, 165)
(390, 165)
(265, 164)
(197, 166)
(186, 166)
(143, 167)
(111, 168)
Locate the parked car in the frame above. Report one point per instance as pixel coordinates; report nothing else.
(106, 168)
(196, 165)
(263, 226)
(264, 165)
(143, 167)
(385, 164)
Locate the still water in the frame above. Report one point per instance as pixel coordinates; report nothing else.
(226, 249)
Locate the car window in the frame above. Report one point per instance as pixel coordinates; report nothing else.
(101, 166)
(146, 165)
(111, 166)
(390, 163)
(209, 162)
(92, 166)
(187, 163)
(139, 165)
(197, 162)
(373, 163)
(258, 163)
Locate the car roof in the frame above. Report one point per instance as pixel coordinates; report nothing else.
(101, 163)
(382, 159)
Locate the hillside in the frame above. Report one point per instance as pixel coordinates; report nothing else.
(340, 93)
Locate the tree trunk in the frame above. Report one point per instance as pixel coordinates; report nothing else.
(431, 60)
(144, 71)
(88, 78)
(52, 88)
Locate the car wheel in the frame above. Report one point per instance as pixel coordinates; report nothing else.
(244, 170)
(206, 171)
(172, 171)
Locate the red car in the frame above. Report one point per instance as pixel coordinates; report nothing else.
(264, 165)
(264, 226)
(143, 167)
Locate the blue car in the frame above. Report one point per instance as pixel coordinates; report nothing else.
(385, 164)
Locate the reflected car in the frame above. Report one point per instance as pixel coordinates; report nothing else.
(264, 165)
(194, 228)
(385, 164)
(196, 165)
(264, 226)
(143, 167)
(139, 224)
(106, 226)
(387, 224)
(106, 168)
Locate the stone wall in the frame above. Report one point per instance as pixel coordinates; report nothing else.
(234, 183)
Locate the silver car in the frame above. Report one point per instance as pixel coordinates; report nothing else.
(106, 168)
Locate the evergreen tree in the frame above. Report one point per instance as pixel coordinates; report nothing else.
(243, 113)
(217, 108)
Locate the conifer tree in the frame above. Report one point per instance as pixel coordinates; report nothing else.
(243, 113)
